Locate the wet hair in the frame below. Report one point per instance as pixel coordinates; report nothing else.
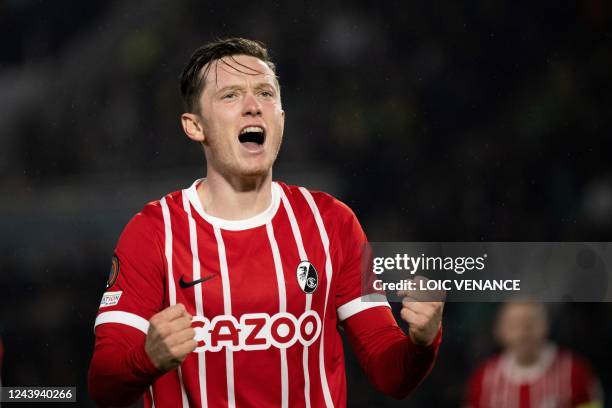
(193, 77)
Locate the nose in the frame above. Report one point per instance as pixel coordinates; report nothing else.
(251, 106)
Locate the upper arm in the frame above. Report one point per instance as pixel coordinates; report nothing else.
(353, 257)
(135, 290)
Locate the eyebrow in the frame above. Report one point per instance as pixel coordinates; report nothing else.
(259, 85)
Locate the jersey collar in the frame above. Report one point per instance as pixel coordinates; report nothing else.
(518, 374)
(235, 225)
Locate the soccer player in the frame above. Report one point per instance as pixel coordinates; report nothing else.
(531, 372)
(231, 292)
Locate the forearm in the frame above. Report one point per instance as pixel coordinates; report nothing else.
(392, 362)
(120, 372)
(401, 367)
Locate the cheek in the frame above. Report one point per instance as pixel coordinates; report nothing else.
(221, 131)
(224, 114)
(279, 123)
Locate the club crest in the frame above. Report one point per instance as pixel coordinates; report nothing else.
(307, 277)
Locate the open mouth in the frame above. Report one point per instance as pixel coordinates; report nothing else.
(252, 136)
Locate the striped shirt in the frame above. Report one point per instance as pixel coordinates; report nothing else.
(267, 294)
(558, 379)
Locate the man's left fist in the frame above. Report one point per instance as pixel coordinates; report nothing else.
(422, 310)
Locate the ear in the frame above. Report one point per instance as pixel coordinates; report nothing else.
(192, 126)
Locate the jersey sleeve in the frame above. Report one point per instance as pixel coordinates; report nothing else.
(586, 388)
(391, 361)
(135, 290)
(354, 291)
(120, 370)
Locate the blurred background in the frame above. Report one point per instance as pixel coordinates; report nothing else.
(435, 121)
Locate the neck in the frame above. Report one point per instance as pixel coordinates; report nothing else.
(235, 198)
(530, 358)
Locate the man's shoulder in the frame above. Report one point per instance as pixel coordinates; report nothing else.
(151, 217)
(577, 361)
(326, 204)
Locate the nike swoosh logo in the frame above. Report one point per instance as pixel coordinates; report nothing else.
(184, 284)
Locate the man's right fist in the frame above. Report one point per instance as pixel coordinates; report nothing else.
(170, 337)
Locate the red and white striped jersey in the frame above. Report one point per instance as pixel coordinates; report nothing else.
(266, 293)
(559, 379)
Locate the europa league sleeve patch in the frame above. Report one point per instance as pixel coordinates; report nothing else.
(114, 272)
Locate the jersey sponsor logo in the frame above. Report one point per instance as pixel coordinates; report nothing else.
(255, 331)
(307, 277)
(184, 284)
(114, 272)
(110, 299)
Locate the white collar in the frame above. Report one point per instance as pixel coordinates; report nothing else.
(521, 374)
(235, 225)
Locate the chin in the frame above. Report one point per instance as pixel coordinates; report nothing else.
(254, 171)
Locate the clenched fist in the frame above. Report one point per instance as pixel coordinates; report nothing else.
(422, 310)
(170, 337)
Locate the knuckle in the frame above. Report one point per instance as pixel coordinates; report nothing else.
(174, 353)
(178, 352)
(163, 331)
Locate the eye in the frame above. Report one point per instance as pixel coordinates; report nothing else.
(229, 96)
(266, 94)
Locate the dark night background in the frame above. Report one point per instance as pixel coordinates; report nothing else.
(438, 121)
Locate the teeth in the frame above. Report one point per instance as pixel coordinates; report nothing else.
(252, 129)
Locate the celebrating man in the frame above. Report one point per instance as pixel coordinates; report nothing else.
(230, 292)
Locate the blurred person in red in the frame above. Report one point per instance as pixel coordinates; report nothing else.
(231, 292)
(531, 372)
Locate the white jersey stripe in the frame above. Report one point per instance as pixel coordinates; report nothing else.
(193, 240)
(505, 397)
(282, 308)
(278, 266)
(227, 310)
(168, 250)
(294, 227)
(171, 285)
(129, 319)
(328, 274)
(567, 374)
(533, 394)
(486, 382)
(360, 304)
(297, 236)
(495, 396)
(545, 381)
